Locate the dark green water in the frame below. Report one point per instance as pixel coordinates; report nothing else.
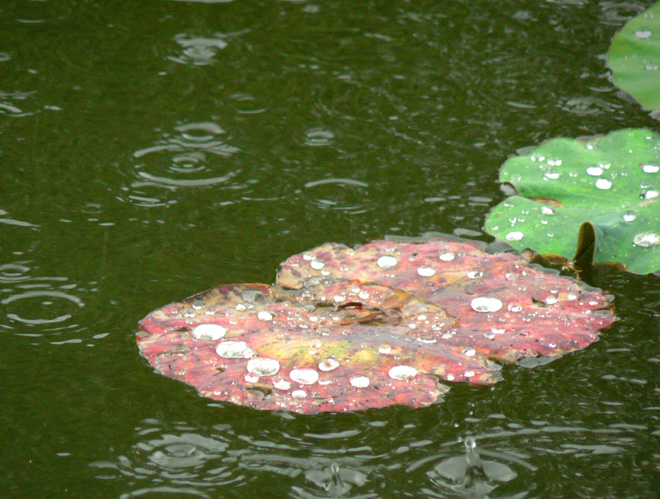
(150, 150)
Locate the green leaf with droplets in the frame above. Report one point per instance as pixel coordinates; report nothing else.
(572, 194)
(634, 58)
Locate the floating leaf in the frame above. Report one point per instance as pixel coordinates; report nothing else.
(611, 183)
(634, 58)
(351, 329)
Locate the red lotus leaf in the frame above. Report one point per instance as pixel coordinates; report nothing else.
(351, 329)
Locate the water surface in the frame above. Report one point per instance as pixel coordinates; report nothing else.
(155, 149)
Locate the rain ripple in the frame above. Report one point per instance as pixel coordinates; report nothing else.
(36, 305)
(340, 194)
(195, 156)
(198, 51)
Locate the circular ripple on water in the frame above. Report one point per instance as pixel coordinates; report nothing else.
(39, 303)
(193, 156)
(340, 194)
(197, 50)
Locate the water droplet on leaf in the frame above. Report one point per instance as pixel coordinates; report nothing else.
(426, 271)
(594, 171)
(650, 168)
(328, 365)
(360, 381)
(304, 376)
(486, 304)
(262, 366)
(387, 261)
(210, 332)
(647, 239)
(603, 183)
(403, 373)
(514, 236)
(234, 350)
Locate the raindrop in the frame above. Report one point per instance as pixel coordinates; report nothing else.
(386, 261)
(469, 374)
(385, 348)
(473, 274)
(571, 296)
(514, 236)
(317, 264)
(629, 216)
(426, 271)
(647, 239)
(265, 316)
(603, 183)
(304, 376)
(650, 194)
(469, 352)
(261, 366)
(240, 307)
(360, 381)
(282, 384)
(595, 171)
(486, 304)
(364, 294)
(234, 350)
(643, 34)
(546, 210)
(328, 365)
(210, 332)
(554, 162)
(650, 168)
(552, 176)
(551, 300)
(447, 257)
(515, 308)
(299, 394)
(251, 378)
(403, 373)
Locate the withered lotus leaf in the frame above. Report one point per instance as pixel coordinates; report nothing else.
(351, 329)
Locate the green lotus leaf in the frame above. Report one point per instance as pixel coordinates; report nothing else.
(574, 197)
(634, 58)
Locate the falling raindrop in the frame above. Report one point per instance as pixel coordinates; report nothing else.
(514, 236)
(650, 168)
(387, 261)
(265, 316)
(262, 366)
(304, 376)
(209, 332)
(594, 171)
(647, 239)
(403, 373)
(360, 381)
(426, 271)
(603, 183)
(234, 350)
(486, 304)
(328, 365)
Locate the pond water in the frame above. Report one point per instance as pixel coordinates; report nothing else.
(155, 149)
